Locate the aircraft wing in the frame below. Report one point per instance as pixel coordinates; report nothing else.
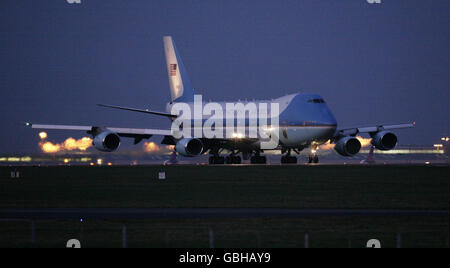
(137, 133)
(357, 130)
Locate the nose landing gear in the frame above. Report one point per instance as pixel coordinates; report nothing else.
(313, 157)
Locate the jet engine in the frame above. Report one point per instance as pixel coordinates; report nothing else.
(348, 146)
(384, 140)
(189, 147)
(107, 141)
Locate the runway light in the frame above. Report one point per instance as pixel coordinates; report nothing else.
(427, 163)
(66, 160)
(109, 164)
(99, 161)
(91, 164)
(26, 159)
(238, 135)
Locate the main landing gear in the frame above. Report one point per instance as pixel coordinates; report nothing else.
(288, 158)
(233, 159)
(257, 159)
(216, 159)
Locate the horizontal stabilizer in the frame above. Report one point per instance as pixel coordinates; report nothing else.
(138, 110)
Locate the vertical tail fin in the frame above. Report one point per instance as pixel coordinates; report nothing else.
(181, 89)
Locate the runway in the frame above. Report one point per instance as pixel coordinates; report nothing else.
(195, 213)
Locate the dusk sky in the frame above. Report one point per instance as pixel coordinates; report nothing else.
(373, 63)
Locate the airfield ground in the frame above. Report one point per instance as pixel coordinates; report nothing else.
(369, 188)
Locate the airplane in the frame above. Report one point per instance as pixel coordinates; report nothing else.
(305, 120)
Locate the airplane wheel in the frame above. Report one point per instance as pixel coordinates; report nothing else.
(220, 160)
(233, 159)
(310, 159)
(216, 160)
(292, 160)
(229, 160)
(283, 160)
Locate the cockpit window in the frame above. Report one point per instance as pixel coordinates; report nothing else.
(316, 101)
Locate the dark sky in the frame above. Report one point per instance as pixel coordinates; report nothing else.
(379, 63)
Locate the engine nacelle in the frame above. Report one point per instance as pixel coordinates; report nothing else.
(189, 147)
(348, 146)
(384, 140)
(107, 141)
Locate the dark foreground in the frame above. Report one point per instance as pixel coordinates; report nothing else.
(321, 187)
(234, 206)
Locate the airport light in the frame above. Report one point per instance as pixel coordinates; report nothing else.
(438, 146)
(43, 135)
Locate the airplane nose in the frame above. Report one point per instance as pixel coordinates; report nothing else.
(327, 117)
(332, 120)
